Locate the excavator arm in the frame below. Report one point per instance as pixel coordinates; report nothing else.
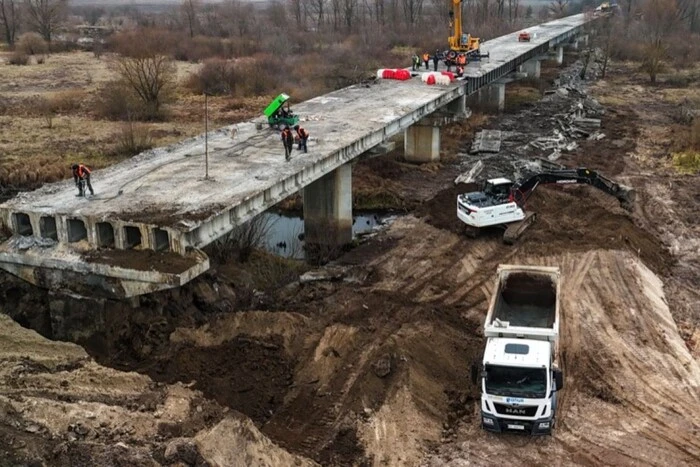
(522, 190)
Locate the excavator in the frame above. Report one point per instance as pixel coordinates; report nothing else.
(459, 42)
(502, 202)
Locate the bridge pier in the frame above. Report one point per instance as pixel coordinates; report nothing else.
(531, 68)
(490, 98)
(328, 209)
(422, 142)
(559, 54)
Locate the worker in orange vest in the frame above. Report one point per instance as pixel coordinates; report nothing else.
(303, 136)
(288, 141)
(82, 172)
(426, 60)
(461, 60)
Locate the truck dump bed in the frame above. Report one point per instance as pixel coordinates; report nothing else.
(525, 303)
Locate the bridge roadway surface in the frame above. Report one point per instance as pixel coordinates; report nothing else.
(165, 188)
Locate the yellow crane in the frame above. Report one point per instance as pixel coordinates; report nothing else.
(460, 42)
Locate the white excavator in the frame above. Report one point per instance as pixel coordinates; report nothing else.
(501, 202)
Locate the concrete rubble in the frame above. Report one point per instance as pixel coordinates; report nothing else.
(486, 141)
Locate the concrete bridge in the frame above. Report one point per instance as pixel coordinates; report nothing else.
(143, 230)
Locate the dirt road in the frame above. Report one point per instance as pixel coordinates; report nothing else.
(370, 367)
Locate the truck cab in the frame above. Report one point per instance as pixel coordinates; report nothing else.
(518, 386)
(518, 376)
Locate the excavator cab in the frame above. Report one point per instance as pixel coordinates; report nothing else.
(498, 189)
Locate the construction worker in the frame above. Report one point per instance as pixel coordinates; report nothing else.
(415, 62)
(462, 60)
(426, 60)
(303, 136)
(435, 59)
(82, 172)
(288, 141)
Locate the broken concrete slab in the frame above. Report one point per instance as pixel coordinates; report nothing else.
(471, 175)
(488, 141)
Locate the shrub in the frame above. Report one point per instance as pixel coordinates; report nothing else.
(67, 101)
(46, 109)
(32, 43)
(215, 77)
(687, 162)
(133, 139)
(18, 58)
(257, 78)
(117, 102)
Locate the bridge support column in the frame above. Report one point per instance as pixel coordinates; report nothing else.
(328, 210)
(458, 107)
(422, 143)
(532, 68)
(491, 98)
(559, 51)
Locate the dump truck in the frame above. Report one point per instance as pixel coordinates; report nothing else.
(518, 376)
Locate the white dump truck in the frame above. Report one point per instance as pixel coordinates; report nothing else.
(518, 377)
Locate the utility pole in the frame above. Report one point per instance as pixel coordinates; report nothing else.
(206, 138)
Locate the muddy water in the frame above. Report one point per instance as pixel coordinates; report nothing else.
(285, 235)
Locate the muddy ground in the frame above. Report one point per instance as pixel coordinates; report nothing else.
(371, 368)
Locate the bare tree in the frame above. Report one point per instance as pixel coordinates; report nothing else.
(9, 20)
(349, 12)
(558, 8)
(689, 11)
(513, 6)
(190, 10)
(317, 7)
(145, 68)
(661, 17)
(412, 10)
(297, 8)
(45, 16)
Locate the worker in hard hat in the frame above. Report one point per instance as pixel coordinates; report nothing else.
(288, 141)
(82, 172)
(303, 136)
(415, 62)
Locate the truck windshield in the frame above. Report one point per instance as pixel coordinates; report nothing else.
(516, 382)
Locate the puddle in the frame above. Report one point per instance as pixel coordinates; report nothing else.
(285, 233)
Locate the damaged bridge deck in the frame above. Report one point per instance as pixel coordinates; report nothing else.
(160, 200)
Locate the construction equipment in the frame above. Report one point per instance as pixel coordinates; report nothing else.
(460, 42)
(502, 202)
(277, 115)
(519, 376)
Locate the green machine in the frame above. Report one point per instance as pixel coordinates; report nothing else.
(277, 115)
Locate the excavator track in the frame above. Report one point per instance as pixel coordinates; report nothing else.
(516, 229)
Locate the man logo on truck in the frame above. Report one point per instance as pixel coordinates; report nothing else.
(515, 411)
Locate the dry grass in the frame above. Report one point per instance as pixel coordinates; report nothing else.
(61, 93)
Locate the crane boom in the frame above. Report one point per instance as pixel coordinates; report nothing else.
(458, 41)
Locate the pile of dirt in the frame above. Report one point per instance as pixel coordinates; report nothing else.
(441, 210)
(568, 219)
(577, 219)
(247, 374)
(58, 407)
